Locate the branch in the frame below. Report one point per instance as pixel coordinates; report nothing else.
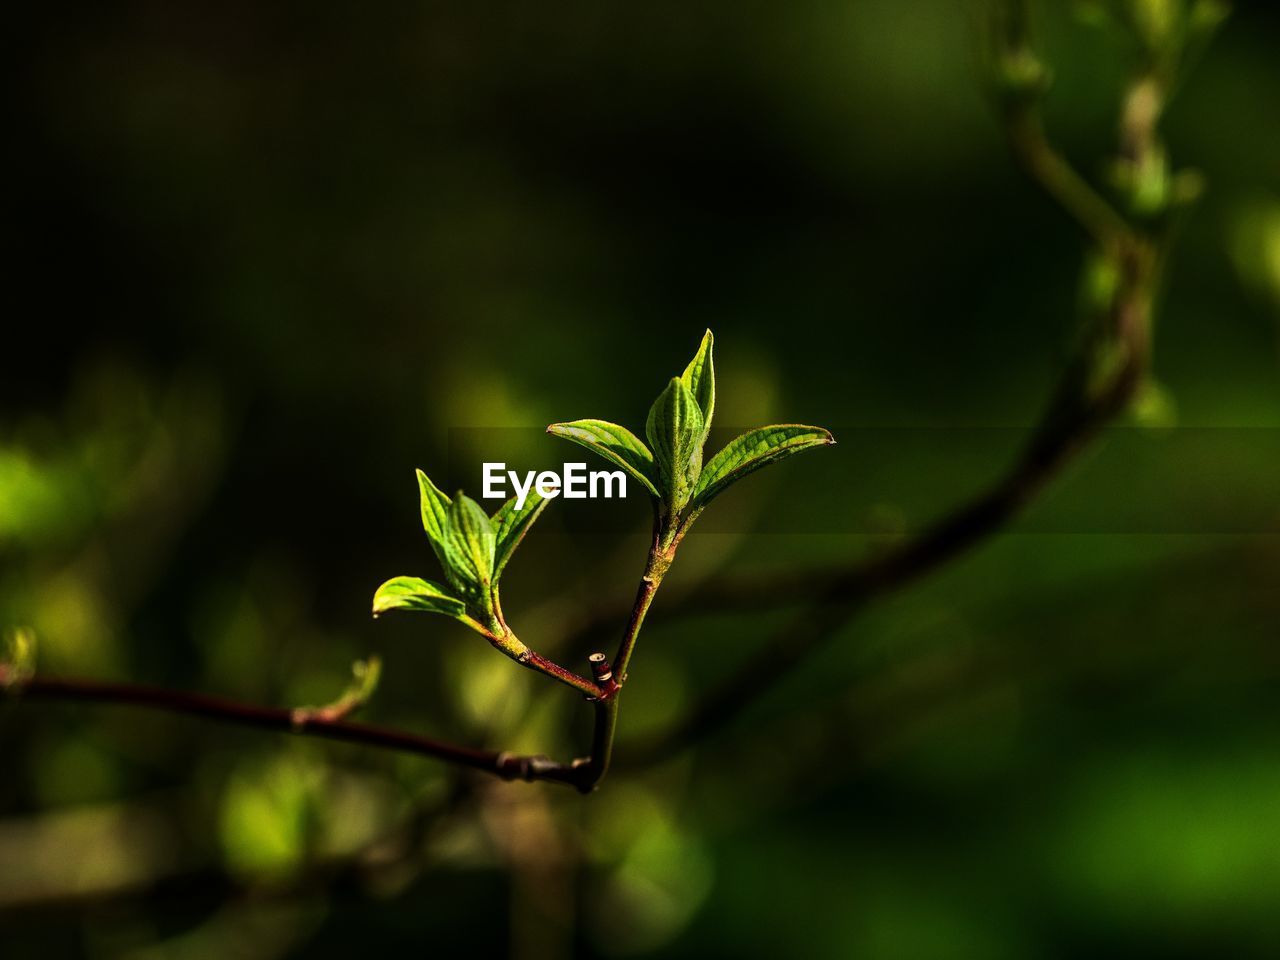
(1097, 386)
(592, 769)
(609, 679)
(540, 664)
(1024, 131)
(840, 597)
(507, 766)
(655, 569)
(1022, 80)
(1065, 429)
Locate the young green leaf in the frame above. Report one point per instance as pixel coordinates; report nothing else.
(435, 513)
(753, 450)
(365, 675)
(700, 377)
(675, 431)
(470, 544)
(510, 526)
(414, 593)
(616, 444)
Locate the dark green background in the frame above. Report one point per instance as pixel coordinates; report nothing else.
(265, 259)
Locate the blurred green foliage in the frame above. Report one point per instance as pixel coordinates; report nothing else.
(265, 259)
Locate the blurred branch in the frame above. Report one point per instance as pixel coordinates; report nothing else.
(1024, 130)
(842, 596)
(1098, 385)
(1021, 80)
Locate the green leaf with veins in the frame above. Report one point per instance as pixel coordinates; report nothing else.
(414, 593)
(510, 526)
(700, 377)
(470, 545)
(674, 429)
(753, 450)
(616, 444)
(435, 514)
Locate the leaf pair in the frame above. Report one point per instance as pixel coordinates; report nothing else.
(473, 548)
(671, 467)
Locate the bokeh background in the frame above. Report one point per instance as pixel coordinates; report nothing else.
(265, 259)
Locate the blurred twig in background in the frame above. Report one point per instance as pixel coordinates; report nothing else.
(1104, 377)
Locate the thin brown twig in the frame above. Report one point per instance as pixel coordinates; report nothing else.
(507, 766)
(540, 664)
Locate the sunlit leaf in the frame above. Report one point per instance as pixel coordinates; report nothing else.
(470, 545)
(435, 513)
(414, 593)
(510, 526)
(753, 450)
(675, 433)
(700, 377)
(616, 444)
